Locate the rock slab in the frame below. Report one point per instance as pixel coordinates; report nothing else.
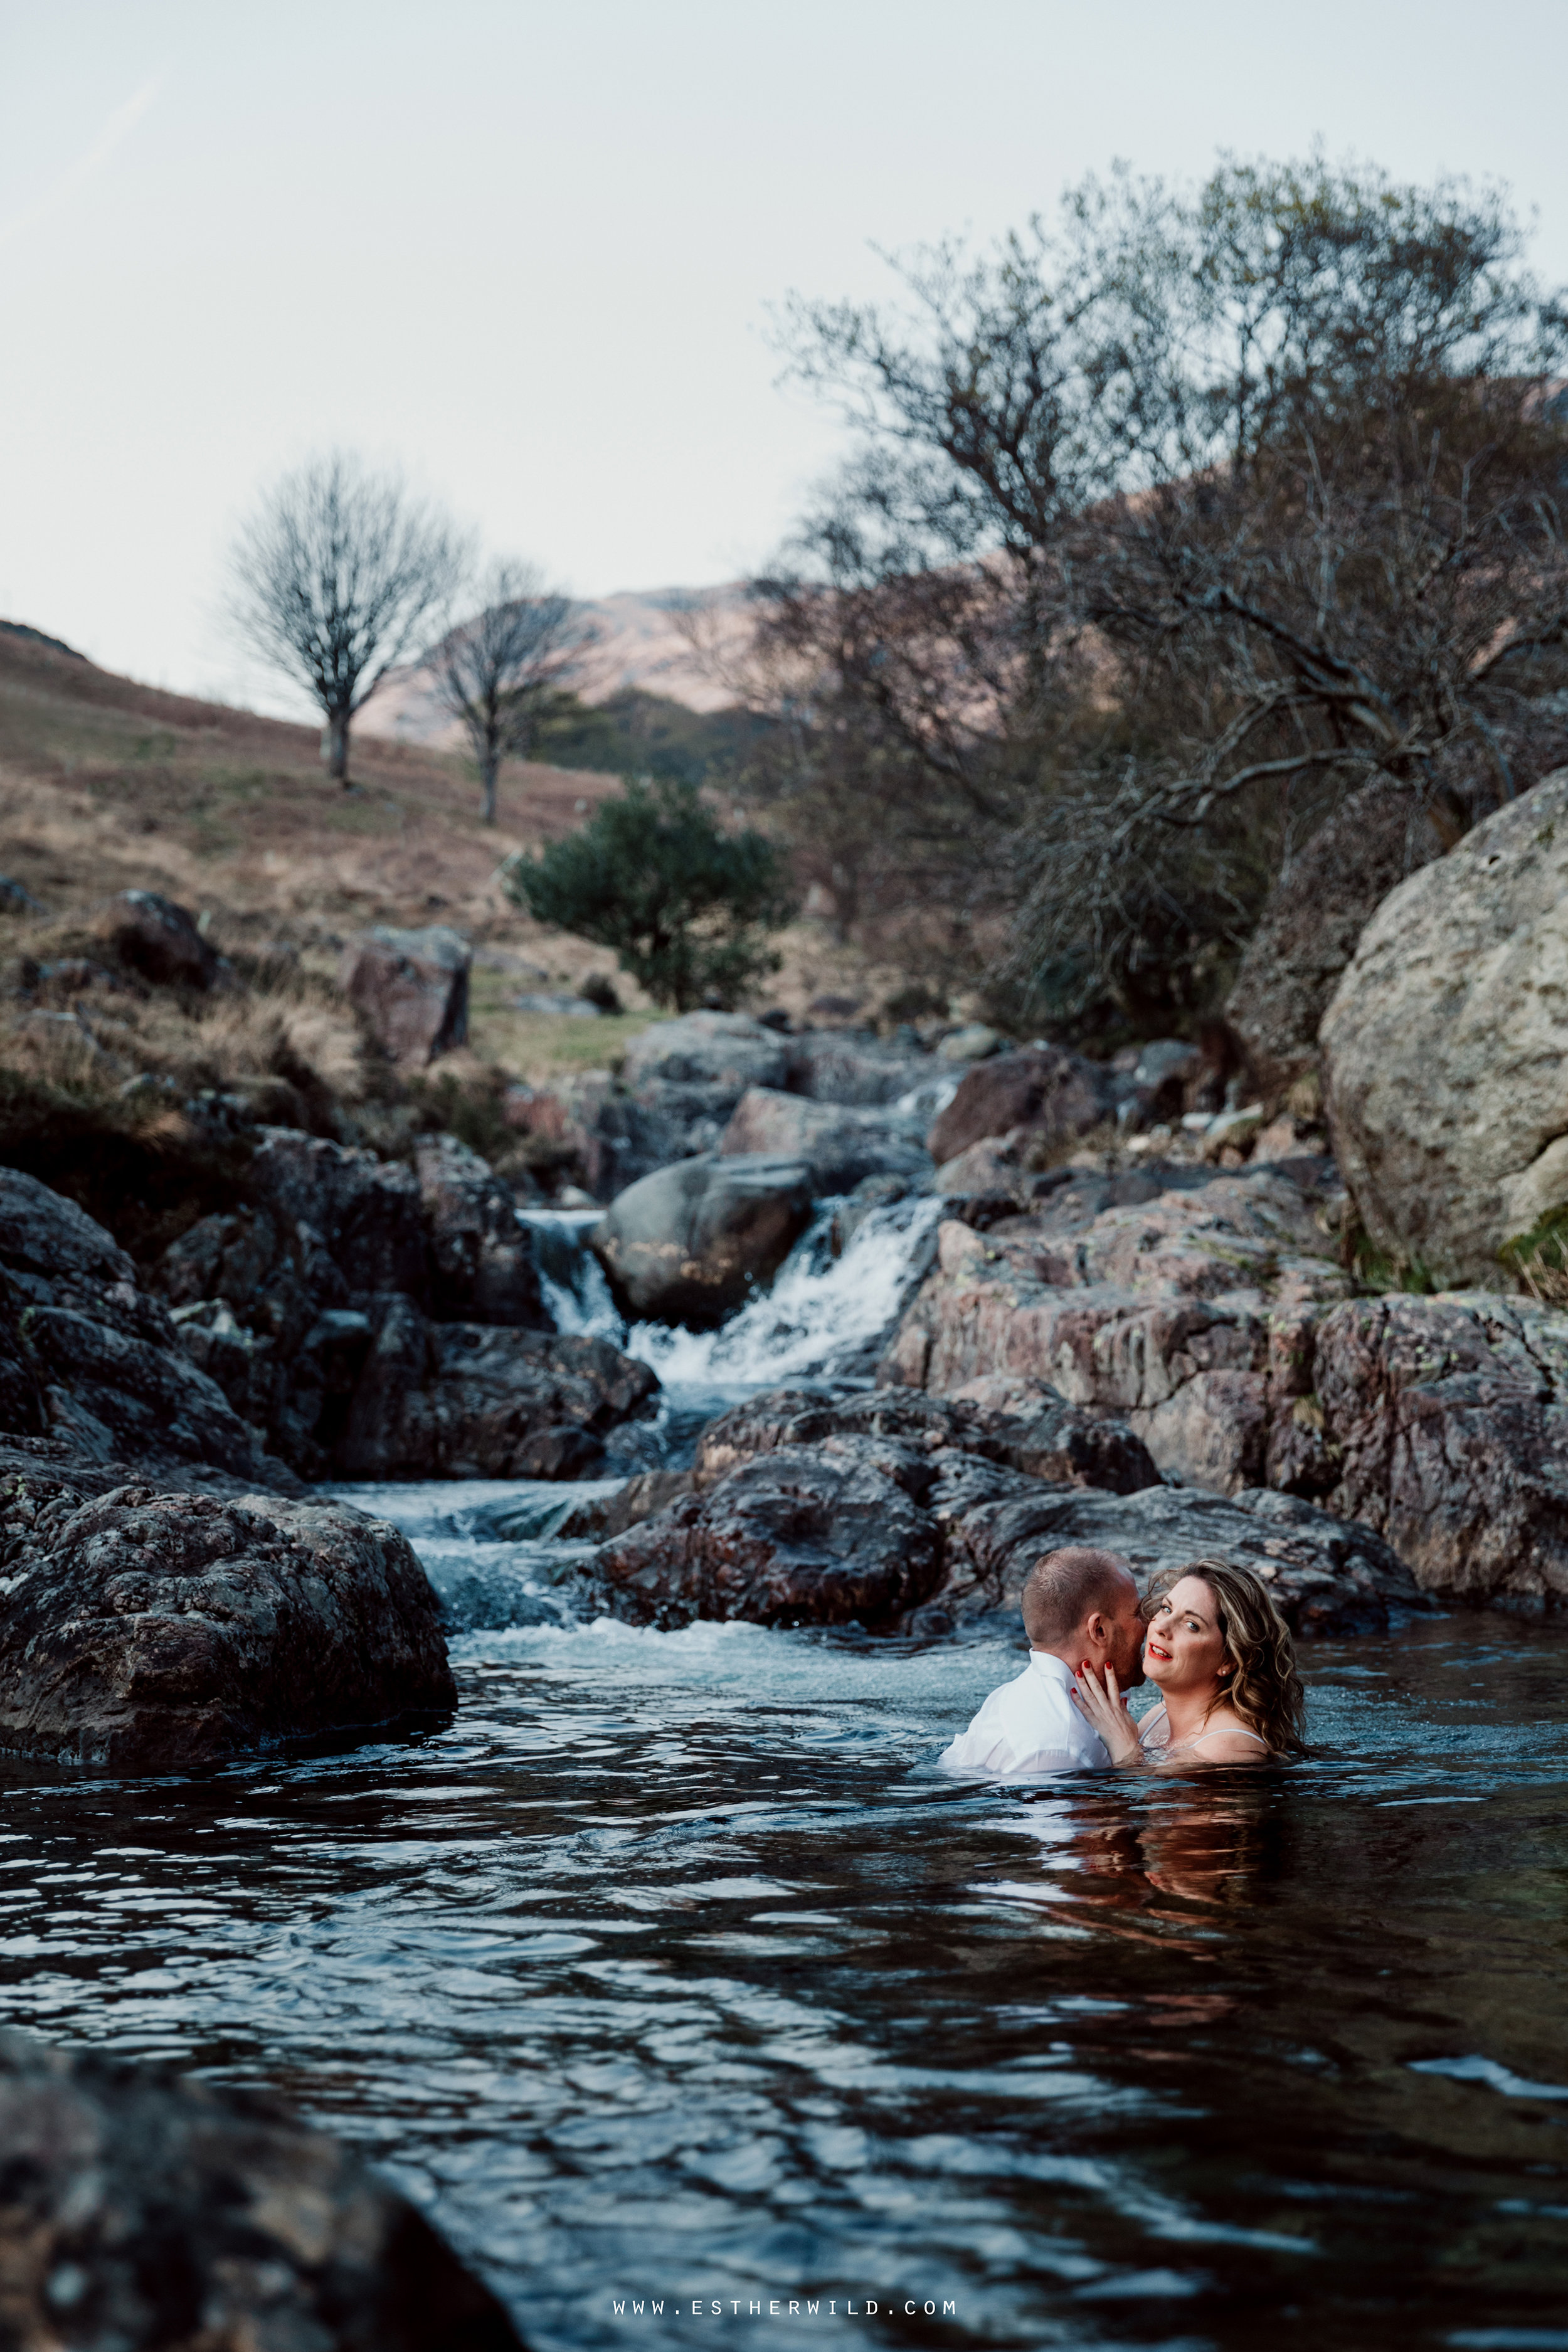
(146, 2213)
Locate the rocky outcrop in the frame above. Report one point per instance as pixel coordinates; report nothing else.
(366, 1212)
(1213, 1319)
(411, 988)
(1445, 1048)
(151, 1631)
(481, 1263)
(692, 1242)
(84, 1352)
(1311, 921)
(839, 1147)
(811, 1513)
(472, 1401)
(1057, 1096)
(145, 2211)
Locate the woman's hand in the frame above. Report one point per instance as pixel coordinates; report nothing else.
(1106, 1708)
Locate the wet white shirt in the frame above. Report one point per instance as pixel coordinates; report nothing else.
(1029, 1728)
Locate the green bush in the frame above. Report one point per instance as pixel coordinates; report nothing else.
(652, 875)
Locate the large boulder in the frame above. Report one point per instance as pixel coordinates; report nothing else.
(881, 1522)
(482, 1264)
(151, 1631)
(841, 1147)
(1445, 1048)
(411, 989)
(1311, 921)
(367, 1212)
(145, 2213)
(85, 1352)
(472, 1401)
(155, 937)
(693, 1241)
(1057, 1096)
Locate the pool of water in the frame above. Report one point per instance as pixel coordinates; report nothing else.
(671, 1969)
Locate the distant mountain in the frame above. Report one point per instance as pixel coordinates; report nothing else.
(642, 642)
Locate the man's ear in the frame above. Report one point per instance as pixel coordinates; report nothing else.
(1096, 1628)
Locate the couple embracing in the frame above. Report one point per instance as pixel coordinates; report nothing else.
(1208, 1636)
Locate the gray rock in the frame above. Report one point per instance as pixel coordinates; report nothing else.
(151, 1631)
(1445, 1048)
(841, 1147)
(1059, 1096)
(368, 1211)
(693, 1241)
(972, 1044)
(412, 989)
(724, 1050)
(156, 938)
(565, 1008)
(830, 1067)
(144, 2212)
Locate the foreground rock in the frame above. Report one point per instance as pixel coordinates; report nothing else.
(808, 1513)
(151, 1633)
(1445, 1048)
(692, 1242)
(88, 1355)
(1213, 1319)
(412, 987)
(144, 2212)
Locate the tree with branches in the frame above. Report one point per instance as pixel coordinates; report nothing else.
(335, 578)
(497, 674)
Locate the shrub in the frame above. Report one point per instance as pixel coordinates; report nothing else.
(684, 905)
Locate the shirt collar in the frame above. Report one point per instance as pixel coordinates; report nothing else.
(1055, 1670)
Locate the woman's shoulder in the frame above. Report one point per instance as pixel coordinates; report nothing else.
(1229, 1740)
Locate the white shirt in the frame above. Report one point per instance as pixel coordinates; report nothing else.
(1029, 1728)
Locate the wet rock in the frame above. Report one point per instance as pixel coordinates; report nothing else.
(818, 1534)
(1445, 1048)
(1036, 1431)
(839, 1147)
(1326, 1575)
(1057, 1096)
(692, 1242)
(475, 1400)
(483, 1268)
(145, 2211)
(153, 936)
(412, 989)
(368, 1211)
(149, 1631)
(603, 1516)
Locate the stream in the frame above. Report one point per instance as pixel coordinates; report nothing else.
(671, 1969)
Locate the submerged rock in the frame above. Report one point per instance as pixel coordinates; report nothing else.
(692, 1242)
(144, 2211)
(151, 1631)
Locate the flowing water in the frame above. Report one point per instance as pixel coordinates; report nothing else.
(672, 1970)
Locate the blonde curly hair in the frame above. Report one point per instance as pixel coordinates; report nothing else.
(1260, 1682)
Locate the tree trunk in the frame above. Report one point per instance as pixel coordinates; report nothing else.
(489, 767)
(335, 747)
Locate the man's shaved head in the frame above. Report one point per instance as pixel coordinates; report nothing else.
(1066, 1586)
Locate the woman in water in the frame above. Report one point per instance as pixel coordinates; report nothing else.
(1225, 1667)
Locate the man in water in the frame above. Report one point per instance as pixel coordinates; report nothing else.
(1079, 1607)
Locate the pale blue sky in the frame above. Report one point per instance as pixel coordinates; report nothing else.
(528, 250)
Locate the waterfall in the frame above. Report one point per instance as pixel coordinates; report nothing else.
(820, 1321)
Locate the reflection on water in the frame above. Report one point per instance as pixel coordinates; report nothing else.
(672, 1968)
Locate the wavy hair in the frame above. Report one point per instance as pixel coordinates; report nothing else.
(1263, 1686)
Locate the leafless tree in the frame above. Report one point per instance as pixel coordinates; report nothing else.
(493, 674)
(335, 577)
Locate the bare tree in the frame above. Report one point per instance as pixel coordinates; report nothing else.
(336, 575)
(494, 673)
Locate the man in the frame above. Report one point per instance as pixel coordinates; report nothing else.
(1079, 1605)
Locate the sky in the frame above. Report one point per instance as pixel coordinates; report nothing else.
(527, 253)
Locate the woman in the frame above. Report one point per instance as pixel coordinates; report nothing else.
(1225, 1667)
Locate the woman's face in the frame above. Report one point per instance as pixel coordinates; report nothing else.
(1183, 1649)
